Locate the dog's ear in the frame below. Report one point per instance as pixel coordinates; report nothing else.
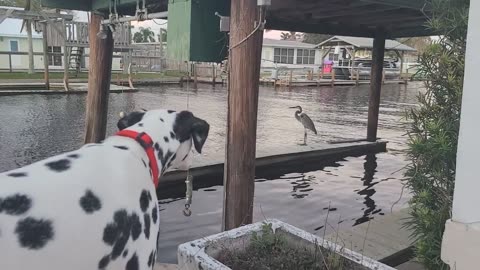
(187, 126)
(127, 120)
(200, 130)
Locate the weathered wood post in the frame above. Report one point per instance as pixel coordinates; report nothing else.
(213, 74)
(357, 77)
(66, 61)
(243, 83)
(290, 78)
(10, 62)
(31, 61)
(195, 77)
(99, 76)
(375, 85)
(45, 56)
(332, 83)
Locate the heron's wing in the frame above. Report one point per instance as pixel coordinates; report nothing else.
(307, 122)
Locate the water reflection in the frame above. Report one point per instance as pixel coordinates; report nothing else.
(370, 167)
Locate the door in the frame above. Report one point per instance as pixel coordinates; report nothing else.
(16, 59)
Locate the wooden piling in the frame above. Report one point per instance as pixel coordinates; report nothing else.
(213, 74)
(357, 77)
(333, 77)
(99, 76)
(195, 77)
(45, 56)
(244, 77)
(378, 53)
(290, 78)
(66, 61)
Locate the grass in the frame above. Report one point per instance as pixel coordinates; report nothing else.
(84, 75)
(269, 250)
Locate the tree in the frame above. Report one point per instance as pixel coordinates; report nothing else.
(315, 38)
(433, 133)
(144, 35)
(290, 35)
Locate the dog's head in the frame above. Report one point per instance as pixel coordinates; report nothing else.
(173, 134)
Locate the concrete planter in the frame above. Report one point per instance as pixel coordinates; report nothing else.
(200, 254)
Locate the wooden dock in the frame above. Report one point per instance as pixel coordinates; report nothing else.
(322, 82)
(277, 158)
(384, 239)
(14, 89)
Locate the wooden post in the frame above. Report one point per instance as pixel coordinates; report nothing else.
(378, 53)
(333, 77)
(45, 56)
(195, 78)
(290, 78)
(66, 61)
(383, 76)
(402, 55)
(31, 61)
(10, 62)
(243, 83)
(357, 77)
(213, 74)
(99, 76)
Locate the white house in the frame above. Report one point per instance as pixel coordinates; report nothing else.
(19, 43)
(289, 54)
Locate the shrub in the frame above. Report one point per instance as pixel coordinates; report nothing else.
(433, 133)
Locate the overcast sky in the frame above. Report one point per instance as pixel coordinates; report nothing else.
(12, 27)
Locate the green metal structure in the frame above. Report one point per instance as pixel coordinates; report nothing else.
(193, 30)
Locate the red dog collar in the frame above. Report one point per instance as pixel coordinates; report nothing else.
(146, 142)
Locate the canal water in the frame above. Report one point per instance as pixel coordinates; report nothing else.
(348, 191)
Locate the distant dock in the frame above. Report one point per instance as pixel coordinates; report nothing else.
(15, 89)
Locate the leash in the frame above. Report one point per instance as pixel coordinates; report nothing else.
(189, 180)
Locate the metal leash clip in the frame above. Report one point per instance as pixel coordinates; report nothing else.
(188, 196)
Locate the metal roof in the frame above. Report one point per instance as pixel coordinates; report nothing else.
(366, 43)
(286, 43)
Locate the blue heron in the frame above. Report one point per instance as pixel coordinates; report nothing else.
(306, 122)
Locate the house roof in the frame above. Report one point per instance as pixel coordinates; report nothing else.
(286, 43)
(366, 43)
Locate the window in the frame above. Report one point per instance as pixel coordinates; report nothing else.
(333, 57)
(283, 55)
(14, 45)
(54, 60)
(306, 57)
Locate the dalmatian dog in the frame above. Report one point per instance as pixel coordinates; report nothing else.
(96, 207)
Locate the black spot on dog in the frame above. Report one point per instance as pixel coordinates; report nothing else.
(170, 111)
(144, 201)
(17, 174)
(59, 165)
(140, 124)
(146, 230)
(185, 157)
(89, 202)
(165, 139)
(154, 214)
(125, 253)
(172, 135)
(132, 264)
(104, 262)
(73, 156)
(161, 119)
(150, 259)
(110, 234)
(34, 233)
(157, 146)
(149, 196)
(121, 243)
(136, 226)
(16, 204)
(144, 163)
(121, 147)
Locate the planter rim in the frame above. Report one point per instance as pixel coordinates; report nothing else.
(196, 249)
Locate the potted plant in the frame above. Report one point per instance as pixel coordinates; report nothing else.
(271, 244)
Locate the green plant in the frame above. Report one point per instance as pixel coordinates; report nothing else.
(271, 250)
(433, 133)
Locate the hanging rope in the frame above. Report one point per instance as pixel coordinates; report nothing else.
(188, 182)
